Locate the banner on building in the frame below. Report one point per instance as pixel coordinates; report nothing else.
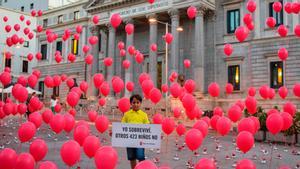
(136, 135)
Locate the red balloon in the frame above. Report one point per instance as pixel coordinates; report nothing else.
(241, 33)
(5, 78)
(247, 124)
(180, 129)
(223, 125)
(213, 121)
(106, 157)
(245, 164)
(229, 88)
(176, 112)
(70, 83)
(251, 6)
(70, 152)
(288, 7)
(115, 20)
(57, 123)
(37, 73)
(214, 89)
(283, 54)
(297, 30)
(139, 58)
(101, 123)
(40, 12)
(49, 81)
(192, 12)
(164, 88)
(93, 40)
(39, 28)
(175, 90)
(121, 45)
(143, 77)
(57, 108)
(89, 59)
(283, 92)
(245, 141)
(168, 126)
(30, 35)
(234, 113)
(5, 18)
(108, 61)
(28, 22)
(72, 99)
(96, 19)
(264, 91)
(129, 28)
(251, 104)
(190, 85)
(47, 165)
(151, 1)
(153, 47)
(188, 102)
(26, 31)
(8, 158)
(17, 27)
(25, 161)
(193, 139)
(69, 122)
(147, 86)
(287, 120)
(122, 52)
(36, 119)
(168, 38)
(22, 80)
(157, 118)
(84, 86)
(202, 126)
(205, 163)
(296, 89)
(92, 115)
(32, 81)
(38, 149)
(187, 63)
(130, 86)
(295, 7)
(22, 108)
(228, 49)
(90, 146)
(117, 85)
(56, 80)
(102, 102)
(26, 131)
(282, 31)
(124, 104)
(104, 89)
(7, 28)
(47, 115)
(290, 108)
(98, 80)
(72, 112)
(71, 57)
(85, 48)
(247, 19)
(155, 95)
(277, 6)
(146, 164)
(80, 133)
(274, 123)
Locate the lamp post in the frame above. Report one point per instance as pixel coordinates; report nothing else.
(179, 29)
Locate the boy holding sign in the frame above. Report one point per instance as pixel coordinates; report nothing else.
(135, 116)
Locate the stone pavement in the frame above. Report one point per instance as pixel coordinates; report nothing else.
(226, 154)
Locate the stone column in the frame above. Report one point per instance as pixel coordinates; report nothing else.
(198, 58)
(103, 41)
(51, 53)
(66, 50)
(93, 69)
(153, 55)
(129, 71)
(111, 51)
(82, 42)
(173, 59)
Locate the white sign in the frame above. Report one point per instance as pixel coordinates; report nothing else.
(136, 135)
(144, 8)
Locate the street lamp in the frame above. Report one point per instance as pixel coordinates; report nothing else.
(178, 29)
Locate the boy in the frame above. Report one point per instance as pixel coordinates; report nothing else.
(135, 116)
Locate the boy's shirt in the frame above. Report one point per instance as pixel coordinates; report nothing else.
(135, 117)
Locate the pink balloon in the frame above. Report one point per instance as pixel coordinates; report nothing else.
(38, 149)
(147, 86)
(180, 129)
(271, 93)
(98, 80)
(213, 121)
(124, 104)
(296, 89)
(264, 91)
(85, 48)
(102, 102)
(25, 161)
(69, 123)
(202, 126)
(151, 1)
(283, 54)
(8, 158)
(175, 90)
(26, 131)
(214, 89)
(234, 113)
(190, 85)
(22, 108)
(126, 64)
(90, 146)
(287, 120)
(168, 126)
(153, 47)
(70, 152)
(49, 81)
(146, 164)
(297, 30)
(157, 118)
(7, 28)
(93, 40)
(104, 89)
(47, 165)
(129, 28)
(47, 115)
(96, 19)
(295, 7)
(118, 85)
(247, 124)
(271, 111)
(271, 22)
(101, 123)
(245, 164)
(251, 6)
(84, 86)
(251, 104)
(290, 108)
(121, 45)
(5, 78)
(228, 49)
(229, 88)
(256, 123)
(176, 112)
(188, 102)
(57, 123)
(282, 30)
(223, 125)
(187, 63)
(36, 119)
(130, 86)
(40, 12)
(241, 33)
(247, 19)
(245, 141)
(193, 139)
(277, 6)
(56, 80)
(115, 20)
(274, 123)
(5, 18)
(72, 99)
(106, 157)
(192, 12)
(92, 115)
(108, 61)
(205, 163)
(218, 111)
(155, 95)
(71, 57)
(78, 29)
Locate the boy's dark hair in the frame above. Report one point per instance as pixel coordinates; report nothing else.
(136, 96)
